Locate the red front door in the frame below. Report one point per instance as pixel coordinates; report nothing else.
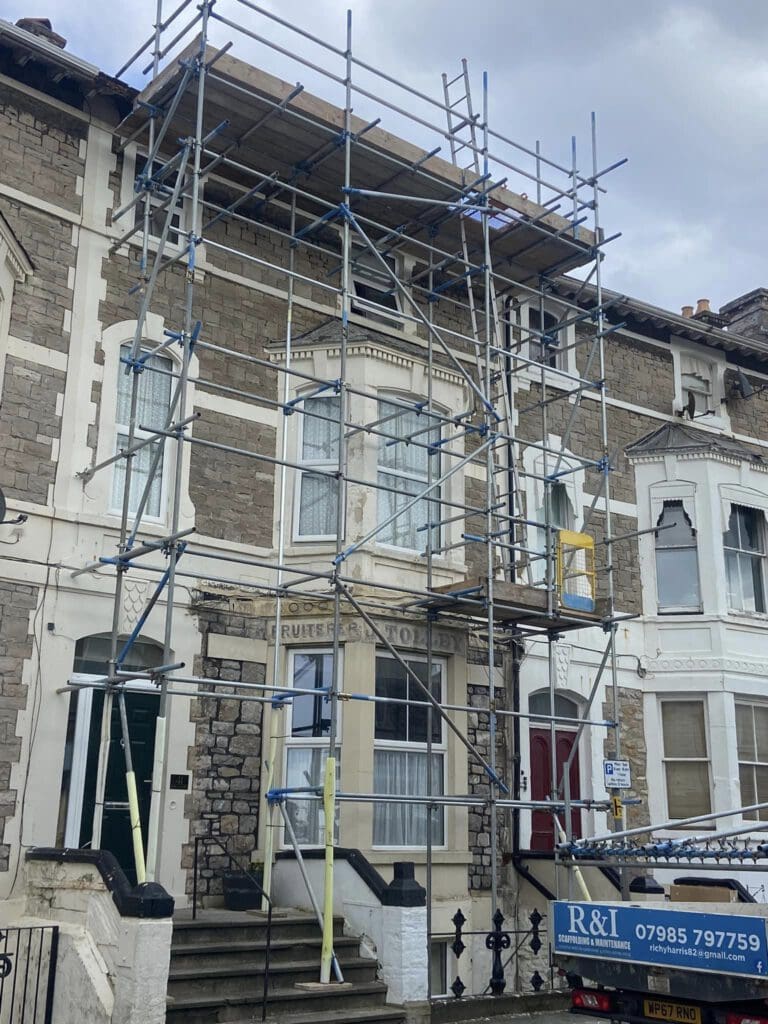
(542, 836)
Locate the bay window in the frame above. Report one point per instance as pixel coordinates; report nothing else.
(403, 471)
(752, 742)
(401, 762)
(677, 561)
(744, 545)
(154, 394)
(318, 450)
(306, 753)
(686, 758)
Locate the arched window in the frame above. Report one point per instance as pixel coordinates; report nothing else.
(153, 400)
(538, 704)
(677, 561)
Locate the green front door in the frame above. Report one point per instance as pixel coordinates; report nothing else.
(141, 710)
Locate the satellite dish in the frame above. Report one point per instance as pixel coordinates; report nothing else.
(21, 518)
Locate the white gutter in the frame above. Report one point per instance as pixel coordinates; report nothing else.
(76, 66)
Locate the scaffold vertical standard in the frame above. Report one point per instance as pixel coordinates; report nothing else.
(410, 252)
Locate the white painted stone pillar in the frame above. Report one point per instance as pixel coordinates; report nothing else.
(404, 959)
(403, 952)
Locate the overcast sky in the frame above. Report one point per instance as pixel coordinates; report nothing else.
(680, 88)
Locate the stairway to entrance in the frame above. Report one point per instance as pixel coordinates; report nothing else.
(217, 972)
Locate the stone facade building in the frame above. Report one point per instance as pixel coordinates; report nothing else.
(688, 423)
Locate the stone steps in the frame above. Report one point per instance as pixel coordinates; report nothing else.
(228, 981)
(217, 973)
(251, 955)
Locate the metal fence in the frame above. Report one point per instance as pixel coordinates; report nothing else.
(28, 974)
(505, 947)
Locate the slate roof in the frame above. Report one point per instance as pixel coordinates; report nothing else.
(681, 437)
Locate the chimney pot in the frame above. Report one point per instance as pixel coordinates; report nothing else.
(702, 306)
(42, 27)
(687, 311)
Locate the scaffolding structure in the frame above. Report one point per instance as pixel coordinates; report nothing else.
(481, 255)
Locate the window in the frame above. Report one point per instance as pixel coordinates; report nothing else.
(309, 724)
(752, 741)
(538, 704)
(375, 293)
(400, 759)
(699, 383)
(438, 967)
(677, 561)
(561, 517)
(161, 190)
(686, 758)
(154, 393)
(744, 545)
(403, 472)
(319, 449)
(545, 341)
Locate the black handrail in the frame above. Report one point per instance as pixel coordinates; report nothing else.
(216, 840)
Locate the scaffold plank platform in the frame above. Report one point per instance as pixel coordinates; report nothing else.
(513, 604)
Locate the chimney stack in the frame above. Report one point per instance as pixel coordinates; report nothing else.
(702, 306)
(748, 315)
(42, 27)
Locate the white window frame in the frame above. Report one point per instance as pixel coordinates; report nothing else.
(761, 526)
(371, 278)
(308, 466)
(436, 494)
(761, 823)
(133, 154)
(440, 748)
(530, 347)
(15, 268)
(677, 609)
(315, 742)
(116, 508)
(533, 465)
(687, 698)
(692, 363)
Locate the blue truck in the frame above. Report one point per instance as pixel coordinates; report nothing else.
(687, 963)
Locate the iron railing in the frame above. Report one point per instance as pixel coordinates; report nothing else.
(207, 841)
(497, 941)
(28, 974)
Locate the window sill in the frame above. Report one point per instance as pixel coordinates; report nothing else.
(665, 612)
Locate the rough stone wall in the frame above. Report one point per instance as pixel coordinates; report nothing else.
(41, 150)
(748, 416)
(479, 871)
(225, 760)
(634, 372)
(16, 603)
(232, 494)
(41, 302)
(28, 427)
(633, 749)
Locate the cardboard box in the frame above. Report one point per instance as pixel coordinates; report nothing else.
(702, 894)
